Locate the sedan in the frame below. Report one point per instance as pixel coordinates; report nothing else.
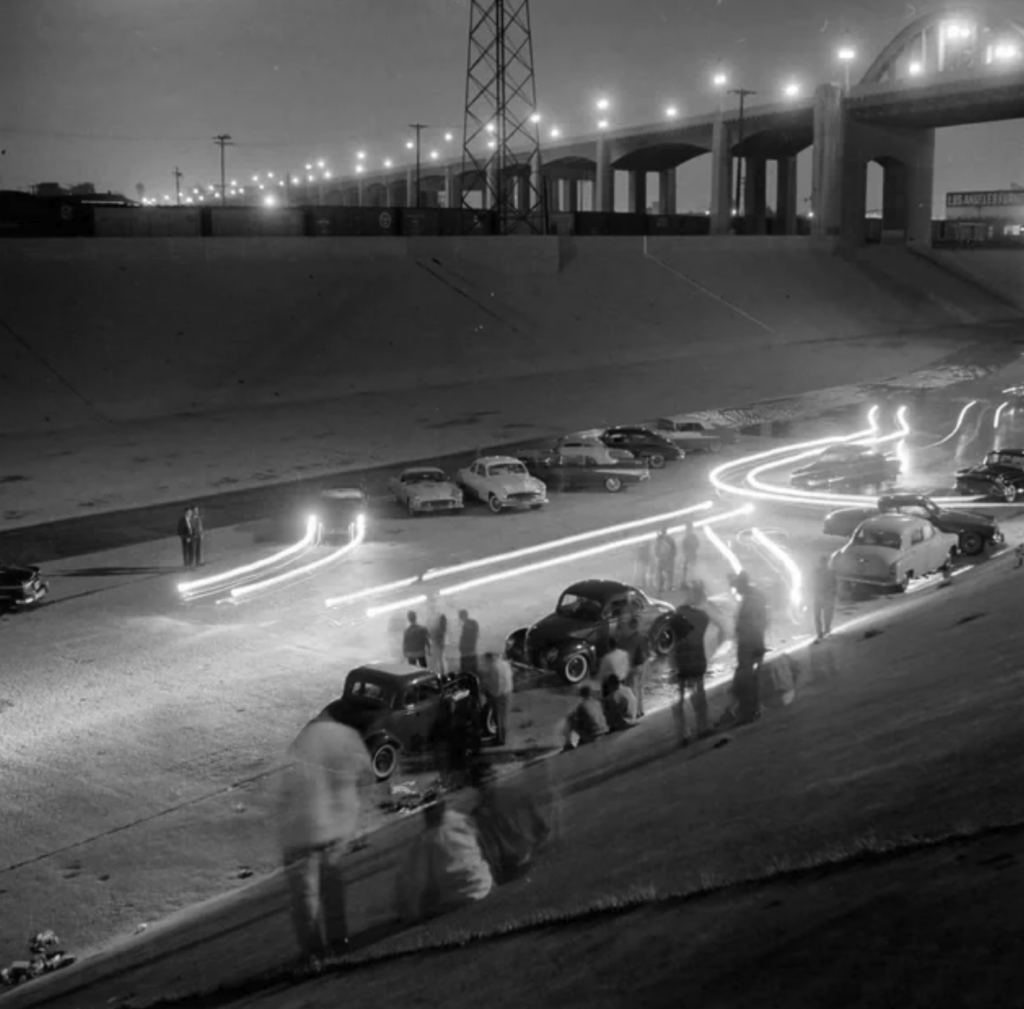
(694, 435)
(502, 482)
(20, 586)
(568, 472)
(887, 551)
(841, 465)
(423, 489)
(653, 448)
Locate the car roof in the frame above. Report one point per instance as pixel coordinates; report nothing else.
(422, 469)
(343, 493)
(1005, 451)
(393, 671)
(904, 499)
(488, 459)
(892, 523)
(629, 427)
(597, 588)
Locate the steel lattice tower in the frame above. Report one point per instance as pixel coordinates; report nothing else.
(501, 98)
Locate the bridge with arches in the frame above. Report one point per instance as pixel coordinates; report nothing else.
(959, 65)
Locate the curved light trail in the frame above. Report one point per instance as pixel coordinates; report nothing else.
(723, 548)
(796, 578)
(203, 586)
(959, 424)
(373, 590)
(243, 592)
(999, 413)
(400, 604)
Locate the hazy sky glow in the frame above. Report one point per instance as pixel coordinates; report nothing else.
(119, 91)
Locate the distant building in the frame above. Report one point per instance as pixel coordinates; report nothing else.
(987, 215)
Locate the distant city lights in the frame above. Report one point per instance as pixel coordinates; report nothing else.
(434, 155)
(555, 133)
(915, 69)
(387, 163)
(671, 112)
(791, 90)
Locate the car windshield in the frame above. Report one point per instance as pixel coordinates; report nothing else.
(837, 454)
(579, 607)
(1004, 459)
(423, 476)
(867, 536)
(506, 469)
(368, 691)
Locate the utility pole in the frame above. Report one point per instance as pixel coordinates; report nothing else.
(743, 93)
(177, 173)
(419, 128)
(223, 140)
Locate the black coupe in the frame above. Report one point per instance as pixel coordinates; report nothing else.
(846, 465)
(570, 472)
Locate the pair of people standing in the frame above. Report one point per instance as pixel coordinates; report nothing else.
(424, 645)
(190, 532)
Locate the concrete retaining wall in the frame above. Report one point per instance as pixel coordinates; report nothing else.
(998, 272)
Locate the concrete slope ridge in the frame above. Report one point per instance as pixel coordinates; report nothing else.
(998, 272)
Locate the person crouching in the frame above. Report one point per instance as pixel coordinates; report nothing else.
(619, 704)
(586, 722)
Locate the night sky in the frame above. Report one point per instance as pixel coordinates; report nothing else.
(119, 91)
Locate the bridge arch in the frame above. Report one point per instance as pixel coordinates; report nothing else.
(927, 45)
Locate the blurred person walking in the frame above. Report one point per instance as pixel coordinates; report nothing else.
(643, 572)
(691, 547)
(186, 533)
(824, 590)
(318, 804)
(665, 562)
(197, 536)
(498, 684)
(638, 648)
(469, 639)
(415, 641)
(751, 630)
(437, 626)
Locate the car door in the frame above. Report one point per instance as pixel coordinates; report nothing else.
(919, 560)
(639, 607)
(415, 720)
(934, 546)
(615, 610)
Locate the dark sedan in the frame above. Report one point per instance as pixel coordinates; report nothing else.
(653, 448)
(20, 586)
(568, 472)
(396, 709)
(975, 531)
(572, 640)
(1000, 475)
(846, 465)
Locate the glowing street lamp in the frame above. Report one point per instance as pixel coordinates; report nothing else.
(434, 155)
(327, 175)
(555, 133)
(492, 128)
(846, 55)
(449, 137)
(295, 180)
(309, 168)
(492, 144)
(310, 178)
(535, 118)
(270, 201)
(915, 69)
(255, 178)
(791, 90)
(602, 124)
(387, 162)
(409, 145)
(360, 169)
(320, 163)
(720, 79)
(361, 155)
(671, 112)
(603, 105)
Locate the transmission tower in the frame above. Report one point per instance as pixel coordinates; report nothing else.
(501, 141)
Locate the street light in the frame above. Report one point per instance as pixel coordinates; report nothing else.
(360, 169)
(387, 162)
(449, 137)
(410, 145)
(791, 90)
(555, 133)
(434, 155)
(602, 124)
(320, 163)
(915, 69)
(492, 144)
(309, 168)
(327, 175)
(603, 105)
(671, 112)
(361, 155)
(535, 118)
(846, 55)
(492, 128)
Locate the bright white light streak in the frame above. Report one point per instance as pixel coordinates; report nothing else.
(306, 569)
(722, 547)
(401, 604)
(999, 413)
(566, 541)
(796, 578)
(959, 424)
(373, 590)
(551, 562)
(312, 532)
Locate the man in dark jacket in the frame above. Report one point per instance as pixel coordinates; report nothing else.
(690, 623)
(415, 641)
(197, 537)
(824, 589)
(186, 533)
(751, 628)
(469, 639)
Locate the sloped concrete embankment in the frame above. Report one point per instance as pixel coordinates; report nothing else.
(997, 272)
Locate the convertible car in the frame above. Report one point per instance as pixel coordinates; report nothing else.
(1000, 475)
(572, 640)
(423, 489)
(974, 532)
(572, 472)
(844, 465)
(396, 710)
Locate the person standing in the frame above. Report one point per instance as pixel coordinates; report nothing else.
(691, 547)
(691, 623)
(644, 564)
(638, 648)
(824, 589)
(438, 629)
(197, 537)
(498, 684)
(665, 561)
(415, 641)
(751, 630)
(469, 638)
(186, 533)
(318, 805)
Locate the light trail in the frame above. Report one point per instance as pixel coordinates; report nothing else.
(550, 562)
(999, 413)
(244, 591)
(786, 560)
(512, 555)
(723, 548)
(959, 424)
(191, 589)
(401, 604)
(373, 590)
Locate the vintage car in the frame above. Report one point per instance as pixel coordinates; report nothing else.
(974, 532)
(590, 446)
(422, 489)
(1000, 475)
(843, 465)
(571, 472)
(572, 640)
(502, 482)
(338, 508)
(887, 551)
(20, 586)
(694, 435)
(396, 708)
(653, 448)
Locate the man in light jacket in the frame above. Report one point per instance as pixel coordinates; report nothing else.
(319, 802)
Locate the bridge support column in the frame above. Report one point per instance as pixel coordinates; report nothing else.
(638, 192)
(604, 186)
(452, 196)
(667, 191)
(721, 178)
(572, 195)
(827, 184)
(491, 189)
(785, 196)
(755, 185)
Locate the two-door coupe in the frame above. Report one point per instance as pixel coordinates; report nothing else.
(1000, 475)
(423, 489)
(694, 435)
(580, 472)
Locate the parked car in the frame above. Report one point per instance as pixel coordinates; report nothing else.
(20, 586)
(653, 448)
(1000, 475)
(840, 465)
(396, 709)
(887, 551)
(502, 482)
(590, 446)
(572, 640)
(338, 508)
(424, 489)
(568, 472)
(974, 532)
(694, 435)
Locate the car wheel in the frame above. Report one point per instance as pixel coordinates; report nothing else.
(656, 461)
(663, 638)
(494, 503)
(715, 447)
(576, 667)
(384, 761)
(613, 484)
(971, 544)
